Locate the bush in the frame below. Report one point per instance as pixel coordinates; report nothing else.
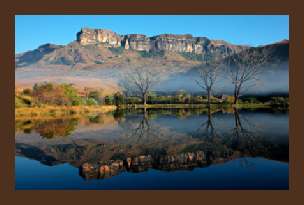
(23, 101)
(98, 62)
(116, 51)
(19, 102)
(118, 99)
(192, 56)
(281, 102)
(91, 101)
(108, 100)
(250, 100)
(72, 94)
(52, 94)
(95, 95)
(228, 100)
(150, 54)
(133, 100)
(27, 91)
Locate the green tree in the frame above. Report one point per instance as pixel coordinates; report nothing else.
(91, 101)
(95, 95)
(53, 94)
(108, 100)
(180, 96)
(72, 94)
(118, 99)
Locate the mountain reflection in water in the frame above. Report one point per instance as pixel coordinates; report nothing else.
(106, 145)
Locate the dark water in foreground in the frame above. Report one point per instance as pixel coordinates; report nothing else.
(159, 149)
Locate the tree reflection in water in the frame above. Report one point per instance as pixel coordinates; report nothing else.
(146, 142)
(207, 130)
(138, 127)
(49, 128)
(56, 128)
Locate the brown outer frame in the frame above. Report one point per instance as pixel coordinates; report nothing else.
(10, 196)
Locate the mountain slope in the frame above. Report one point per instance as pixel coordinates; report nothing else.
(99, 58)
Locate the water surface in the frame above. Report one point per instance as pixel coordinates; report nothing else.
(157, 149)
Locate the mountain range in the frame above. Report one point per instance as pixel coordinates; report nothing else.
(98, 58)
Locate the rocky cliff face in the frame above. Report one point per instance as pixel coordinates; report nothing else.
(94, 36)
(106, 49)
(164, 42)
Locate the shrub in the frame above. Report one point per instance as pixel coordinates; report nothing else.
(108, 100)
(23, 101)
(228, 100)
(133, 100)
(118, 99)
(91, 101)
(98, 62)
(27, 91)
(72, 94)
(279, 102)
(150, 54)
(118, 50)
(250, 99)
(52, 94)
(95, 95)
(192, 56)
(19, 102)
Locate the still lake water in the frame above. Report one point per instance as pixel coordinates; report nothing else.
(158, 149)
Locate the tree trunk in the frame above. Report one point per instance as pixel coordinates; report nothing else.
(235, 99)
(209, 123)
(145, 99)
(237, 129)
(238, 123)
(236, 94)
(208, 98)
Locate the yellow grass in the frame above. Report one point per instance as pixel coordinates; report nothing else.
(253, 105)
(60, 111)
(163, 106)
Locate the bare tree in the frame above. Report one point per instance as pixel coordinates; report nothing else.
(244, 69)
(208, 75)
(207, 128)
(139, 82)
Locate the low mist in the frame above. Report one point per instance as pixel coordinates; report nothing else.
(273, 79)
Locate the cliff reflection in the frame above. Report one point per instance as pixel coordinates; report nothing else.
(160, 139)
(212, 147)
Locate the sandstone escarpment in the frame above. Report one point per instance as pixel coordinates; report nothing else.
(93, 36)
(105, 49)
(164, 42)
(137, 42)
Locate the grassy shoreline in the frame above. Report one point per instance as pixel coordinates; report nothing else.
(63, 111)
(194, 106)
(59, 111)
(163, 106)
(253, 105)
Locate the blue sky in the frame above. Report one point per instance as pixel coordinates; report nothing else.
(34, 30)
